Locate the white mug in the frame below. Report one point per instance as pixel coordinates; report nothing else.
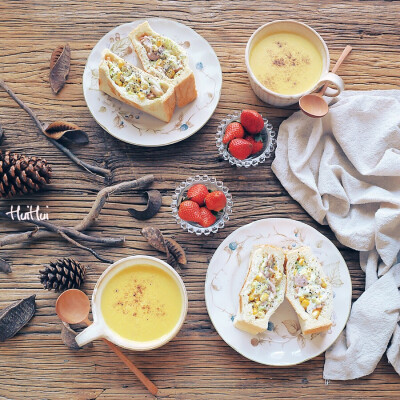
(99, 328)
(283, 100)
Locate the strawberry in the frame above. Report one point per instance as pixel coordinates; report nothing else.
(206, 218)
(232, 131)
(216, 201)
(189, 211)
(252, 121)
(257, 145)
(198, 193)
(240, 148)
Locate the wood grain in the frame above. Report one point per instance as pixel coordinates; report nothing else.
(197, 364)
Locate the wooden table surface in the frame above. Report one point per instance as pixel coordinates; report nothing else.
(198, 364)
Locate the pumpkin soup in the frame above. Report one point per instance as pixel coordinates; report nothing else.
(141, 303)
(286, 63)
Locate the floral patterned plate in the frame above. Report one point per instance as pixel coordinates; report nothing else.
(135, 127)
(283, 343)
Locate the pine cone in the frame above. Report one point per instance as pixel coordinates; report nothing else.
(20, 174)
(63, 274)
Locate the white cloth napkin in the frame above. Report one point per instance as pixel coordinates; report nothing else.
(344, 169)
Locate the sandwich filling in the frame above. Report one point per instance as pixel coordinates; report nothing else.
(309, 287)
(265, 287)
(135, 83)
(162, 55)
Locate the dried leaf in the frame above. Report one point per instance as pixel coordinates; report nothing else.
(16, 316)
(66, 131)
(59, 67)
(1, 134)
(155, 238)
(176, 250)
(171, 260)
(154, 201)
(5, 266)
(68, 337)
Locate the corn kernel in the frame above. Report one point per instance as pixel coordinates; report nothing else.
(258, 278)
(141, 95)
(323, 284)
(305, 303)
(251, 297)
(301, 261)
(316, 312)
(301, 298)
(120, 64)
(118, 82)
(295, 272)
(255, 310)
(264, 297)
(158, 42)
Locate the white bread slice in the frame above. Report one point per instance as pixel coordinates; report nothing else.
(308, 323)
(183, 82)
(245, 320)
(161, 107)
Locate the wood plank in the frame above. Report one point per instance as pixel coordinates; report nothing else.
(197, 364)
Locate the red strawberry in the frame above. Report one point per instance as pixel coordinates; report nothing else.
(240, 148)
(257, 146)
(232, 131)
(198, 193)
(216, 201)
(207, 218)
(189, 211)
(252, 121)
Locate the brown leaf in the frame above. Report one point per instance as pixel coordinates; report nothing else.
(59, 67)
(154, 201)
(5, 266)
(68, 337)
(16, 316)
(177, 251)
(155, 238)
(66, 131)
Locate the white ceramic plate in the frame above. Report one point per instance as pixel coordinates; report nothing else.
(135, 127)
(283, 343)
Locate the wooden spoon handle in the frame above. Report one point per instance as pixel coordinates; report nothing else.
(151, 387)
(339, 62)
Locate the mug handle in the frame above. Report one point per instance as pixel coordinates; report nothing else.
(331, 79)
(92, 332)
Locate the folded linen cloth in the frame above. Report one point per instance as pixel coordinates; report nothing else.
(344, 169)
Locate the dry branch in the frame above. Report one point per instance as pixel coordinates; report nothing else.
(88, 220)
(90, 168)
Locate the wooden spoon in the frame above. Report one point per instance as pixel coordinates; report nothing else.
(313, 104)
(73, 307)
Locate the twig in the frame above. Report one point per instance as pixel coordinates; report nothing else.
(75, 243)
(90, 168)
(69, 231)
(88, 220)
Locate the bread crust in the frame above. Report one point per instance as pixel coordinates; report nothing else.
(184, 84)
(308, 324)
(245, 320)
(161, 108)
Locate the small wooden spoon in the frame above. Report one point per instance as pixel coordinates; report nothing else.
(313, 104)
(73, 307)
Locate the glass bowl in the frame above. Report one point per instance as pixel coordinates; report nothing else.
(211, 183)
(269, 138)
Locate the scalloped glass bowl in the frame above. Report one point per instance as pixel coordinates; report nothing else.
(211, 183)
(269, 138)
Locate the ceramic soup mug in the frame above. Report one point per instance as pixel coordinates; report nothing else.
(282, 100)
(100, 328)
